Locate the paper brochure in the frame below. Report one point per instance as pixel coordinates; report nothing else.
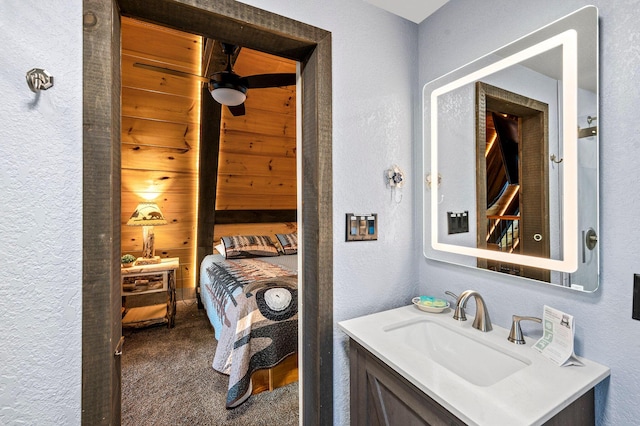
(556, 342)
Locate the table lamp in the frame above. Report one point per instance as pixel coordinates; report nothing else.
(147, 215)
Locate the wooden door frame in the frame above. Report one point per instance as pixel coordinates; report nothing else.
(236, 23)
(534, 175)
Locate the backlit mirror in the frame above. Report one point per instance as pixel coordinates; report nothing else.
(511, 158)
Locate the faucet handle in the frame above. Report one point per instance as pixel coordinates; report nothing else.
(515, 335)
(449, 293)
(458, 313)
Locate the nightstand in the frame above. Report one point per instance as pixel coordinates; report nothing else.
(146, 279)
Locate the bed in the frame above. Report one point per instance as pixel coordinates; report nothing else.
(252, 305)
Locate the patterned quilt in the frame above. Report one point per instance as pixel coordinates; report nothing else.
(257, 305)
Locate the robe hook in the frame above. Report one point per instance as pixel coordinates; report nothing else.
(555, 159)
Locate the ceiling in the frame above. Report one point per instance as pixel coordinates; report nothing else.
(413, 10)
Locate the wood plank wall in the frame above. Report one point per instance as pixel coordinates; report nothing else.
(160, 139)
(160, 143)
(257, 164)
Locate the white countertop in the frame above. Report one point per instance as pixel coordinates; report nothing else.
(529, 396)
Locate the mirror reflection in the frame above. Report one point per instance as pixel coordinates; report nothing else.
(512, 138)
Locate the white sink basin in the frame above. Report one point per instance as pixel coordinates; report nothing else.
(475, 361)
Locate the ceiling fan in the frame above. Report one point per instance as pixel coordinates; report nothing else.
(227, 87)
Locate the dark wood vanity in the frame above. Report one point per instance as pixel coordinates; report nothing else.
(381, 396)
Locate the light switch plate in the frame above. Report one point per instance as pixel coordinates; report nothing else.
(361, 227)
(458, 222)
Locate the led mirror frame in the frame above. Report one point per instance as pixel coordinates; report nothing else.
(570, 243)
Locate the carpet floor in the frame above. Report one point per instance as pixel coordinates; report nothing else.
(167, 379)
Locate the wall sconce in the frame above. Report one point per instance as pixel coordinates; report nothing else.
(147, 215)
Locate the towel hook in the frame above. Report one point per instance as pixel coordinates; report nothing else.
(555, 159)
(39, 79)
(428, 181)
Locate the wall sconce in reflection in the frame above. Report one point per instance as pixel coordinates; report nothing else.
(147, 215)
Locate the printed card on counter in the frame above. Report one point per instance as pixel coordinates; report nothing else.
(556, 343)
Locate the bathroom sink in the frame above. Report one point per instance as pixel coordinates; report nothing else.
(479, 377)
(465, 355)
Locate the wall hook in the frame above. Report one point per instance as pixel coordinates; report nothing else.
(555, 159)
(394, 177)
(427, 181)
(39, 79)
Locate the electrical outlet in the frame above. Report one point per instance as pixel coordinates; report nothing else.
(635, 314)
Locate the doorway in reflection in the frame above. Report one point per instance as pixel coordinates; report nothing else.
(512, 178)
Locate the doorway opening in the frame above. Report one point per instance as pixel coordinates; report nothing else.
(512, 189)
(238, 24)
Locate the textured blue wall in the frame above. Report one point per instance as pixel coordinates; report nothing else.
(463, 30)
(41, 211)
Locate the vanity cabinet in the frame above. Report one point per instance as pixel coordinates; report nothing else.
(381, 396)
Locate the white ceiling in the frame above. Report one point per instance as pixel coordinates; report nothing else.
(413, 10)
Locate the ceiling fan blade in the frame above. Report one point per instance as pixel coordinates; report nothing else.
(260, 81)
(236, 110)
(170, 71)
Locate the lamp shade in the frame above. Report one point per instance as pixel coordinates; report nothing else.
(226, 96)
(147, 214)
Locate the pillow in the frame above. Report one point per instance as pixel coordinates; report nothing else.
(240, 246)
(289, 242)
(220, 249)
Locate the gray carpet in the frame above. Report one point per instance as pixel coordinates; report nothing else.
(167, 379)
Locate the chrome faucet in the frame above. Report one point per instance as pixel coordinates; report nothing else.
(482, 321)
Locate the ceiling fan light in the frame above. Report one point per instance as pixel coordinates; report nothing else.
(226, 96)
